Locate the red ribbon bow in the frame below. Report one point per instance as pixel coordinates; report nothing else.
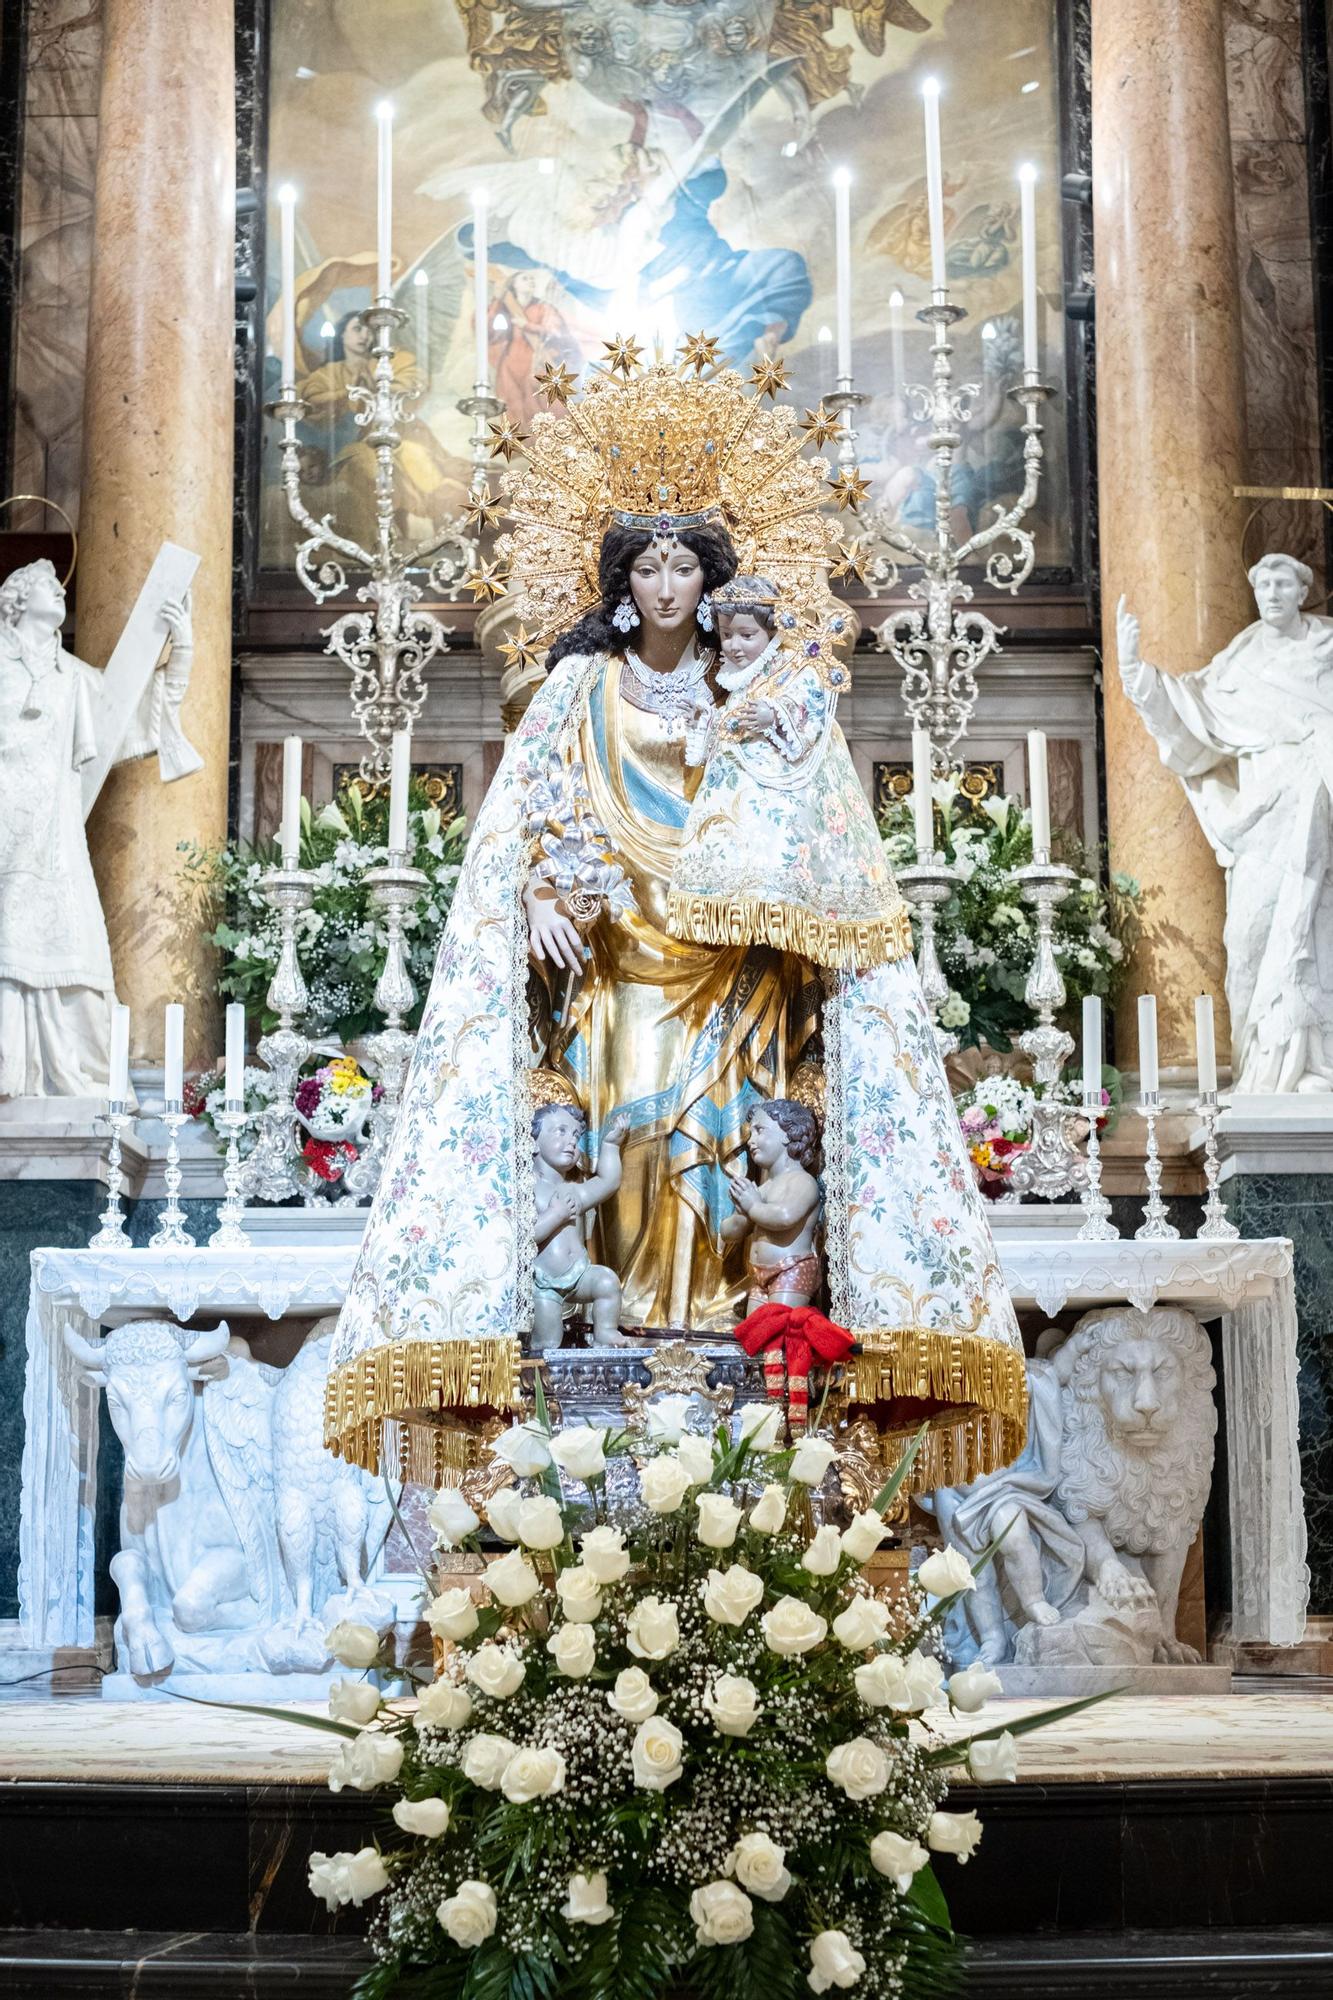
(790, 1338)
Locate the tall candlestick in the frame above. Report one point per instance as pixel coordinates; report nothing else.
(1039, 795)
(174, 1085)
(290, 841)
(930, 96)
(287, 220)
(233, 1089)
(1147, 1045)
(923, 812)
(1092, 1046)
(481, 288)
(896, 342)
(119, 1088)
(421, 295)
(1205, 1042)
(384, 280)
(1027, 186)
(842, 234)
(400, 772)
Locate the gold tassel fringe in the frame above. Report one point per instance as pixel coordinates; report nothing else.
(822, 940)
(982, 1382)
(417, 1381)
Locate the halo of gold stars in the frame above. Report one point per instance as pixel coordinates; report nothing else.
(520, 651)
(820, 425)
(849, 489)
(699, 351)
(623, 354)
(768, 376)
(853, 556)
(482, 513)
(555, 382)
(488, 580)
(506, 438)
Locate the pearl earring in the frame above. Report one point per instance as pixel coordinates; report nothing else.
(625, 617)
(705, 614)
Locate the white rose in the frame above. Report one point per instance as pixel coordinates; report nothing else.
(663, 1484)
(863, 1535)
(954, 1833)
(496, 1670)
(733, 1703)
(469, 1916)
(994, 1762)
(723, 1914)
(834, 1961)
(370, 1759)
(769, 1511)
(354, 1701)
(526, 1448)
(485, 1758)
(883, 1683)
(730, 1595)
(452, 1615)
(667, 1417)
(587, 1903)
(760, 1423)
(862, 1625)
(897, 1858)
(719, 1518)
(579, 1596)
(429, 1817)
(580, 1451)
(813, 1458)
(512, 1581)
(443, 1706)
(502, 1512)
(824, 1553)
(574, 1650)
(604, 1555)
(656, 1757)
(354, 1644)
(540, 1522)
(451, 1517)
(925, 1681)
(945, 1573)
(860, 1768)
(347, 1878)
(533, 1774)
(792, 1627)
(633, 1695)
(972, 1688)
(758, 1864)
(652, 1630)
(695, 1453)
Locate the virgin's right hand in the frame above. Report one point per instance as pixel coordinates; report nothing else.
(553, 938)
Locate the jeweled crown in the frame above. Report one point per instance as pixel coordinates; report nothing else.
(663, 460)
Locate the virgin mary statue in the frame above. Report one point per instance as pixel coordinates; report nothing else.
(565, 969)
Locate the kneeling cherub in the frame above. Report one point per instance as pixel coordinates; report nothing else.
(782, 1138)
(564, 1275)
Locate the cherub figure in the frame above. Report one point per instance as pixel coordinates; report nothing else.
(564, 1275)
(780, 1214)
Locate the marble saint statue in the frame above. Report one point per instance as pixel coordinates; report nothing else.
(1251, 737)
(56, 984)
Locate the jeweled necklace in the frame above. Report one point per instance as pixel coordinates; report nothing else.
(672, 695)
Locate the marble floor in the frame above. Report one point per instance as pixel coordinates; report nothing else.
(1249, 1735)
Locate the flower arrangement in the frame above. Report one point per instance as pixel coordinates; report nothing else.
(341, 938)
(996, 1116)
(675, 1744)
(986, 934)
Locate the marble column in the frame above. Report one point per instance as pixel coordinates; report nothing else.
(1170, 429)
(158, 463)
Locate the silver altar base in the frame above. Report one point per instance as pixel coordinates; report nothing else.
(607, 1385)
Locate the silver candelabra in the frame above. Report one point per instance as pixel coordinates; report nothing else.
(171, 1232)
(112, 1235)
(230, 1233)
(270, 1173)
(1156, 1225)
(1097, 1224)
(1215, 1224)
(928, 885)
(1051, 1166)
(393, 889)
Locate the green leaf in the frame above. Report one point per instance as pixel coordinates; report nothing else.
(929, 1898)
(892, 1486)
(324, 1722)
(956, 1753)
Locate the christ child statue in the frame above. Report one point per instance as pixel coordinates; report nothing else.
(780, 1214)
(564, 1275)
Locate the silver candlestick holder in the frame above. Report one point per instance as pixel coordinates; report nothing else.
(229, 1234)
(270, 1172)
(1051, 1166)
(1097, 1224)
(112, 1235)
(928, 886)
(1156, 1225)
(171, 1232)
(394, 889)
(1215, 1224)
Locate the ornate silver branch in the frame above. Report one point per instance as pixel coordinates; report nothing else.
(1051, 1166)
(393, 889)
(270, 1172)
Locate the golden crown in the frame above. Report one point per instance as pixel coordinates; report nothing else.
(662, 461)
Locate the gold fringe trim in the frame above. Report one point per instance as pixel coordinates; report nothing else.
(822, 940)
(416, 1382)
(983, 1383)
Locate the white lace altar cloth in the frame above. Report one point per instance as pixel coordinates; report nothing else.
(1248, 1285)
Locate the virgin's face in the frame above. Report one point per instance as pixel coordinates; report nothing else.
(666, 588)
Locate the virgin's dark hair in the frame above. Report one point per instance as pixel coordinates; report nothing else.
(621, 549)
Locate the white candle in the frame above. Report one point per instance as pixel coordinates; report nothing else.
(1147, 1045)
(930, 96)
(1039, 795)
(896, 342)
(1027, 186)
(119, 1088)
(481, 290)
(400, 770)
(1205, 1042)
(842, 234)
(923, 813)
(287, 218)
(290, 841)
(1092, 1047)
(174, 1085)
(384, 279)
(234, 1084)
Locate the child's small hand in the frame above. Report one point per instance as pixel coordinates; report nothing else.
(744, 1193)
(563, 1207)
(756, 718)
(617, 1129)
